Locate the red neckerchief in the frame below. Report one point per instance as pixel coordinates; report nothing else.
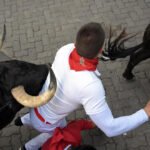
(79, 63)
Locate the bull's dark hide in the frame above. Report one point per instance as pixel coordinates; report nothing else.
(12, 74)
(137, 53)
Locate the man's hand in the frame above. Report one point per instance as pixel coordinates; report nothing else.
(147, 109)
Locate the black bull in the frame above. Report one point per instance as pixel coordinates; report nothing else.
(138, 53)
(30, 77)
(12, 74)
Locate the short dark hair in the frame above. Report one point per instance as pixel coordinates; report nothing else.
(84, 147)
(89, 40)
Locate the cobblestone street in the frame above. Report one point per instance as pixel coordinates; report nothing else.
(36, 29)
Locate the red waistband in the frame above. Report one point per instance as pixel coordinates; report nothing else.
(39, 116)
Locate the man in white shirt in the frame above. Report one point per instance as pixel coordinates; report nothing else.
(78, 84)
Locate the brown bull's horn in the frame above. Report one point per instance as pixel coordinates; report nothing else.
(34, 101)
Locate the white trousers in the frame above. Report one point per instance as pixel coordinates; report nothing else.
(46, 130)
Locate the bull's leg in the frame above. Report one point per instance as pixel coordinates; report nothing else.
(134, 60)
(8, 110)
(6, 116)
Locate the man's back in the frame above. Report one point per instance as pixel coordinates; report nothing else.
(71, 85)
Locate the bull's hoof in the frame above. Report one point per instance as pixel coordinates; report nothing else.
(128, 76)
(18, 122)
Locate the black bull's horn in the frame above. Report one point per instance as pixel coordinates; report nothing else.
(24, 98)
(27, 100)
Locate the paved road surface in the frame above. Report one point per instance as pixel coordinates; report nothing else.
(37, 28)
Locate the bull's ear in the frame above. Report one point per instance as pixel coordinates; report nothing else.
(27, 100)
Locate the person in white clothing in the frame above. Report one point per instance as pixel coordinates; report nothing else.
(78, 83)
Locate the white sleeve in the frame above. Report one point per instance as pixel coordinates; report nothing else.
(93, 97)
(115, 126)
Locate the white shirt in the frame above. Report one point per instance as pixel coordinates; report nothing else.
(76, 88)
(73, 89)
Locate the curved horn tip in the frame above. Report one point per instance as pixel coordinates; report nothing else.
(27, 100)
